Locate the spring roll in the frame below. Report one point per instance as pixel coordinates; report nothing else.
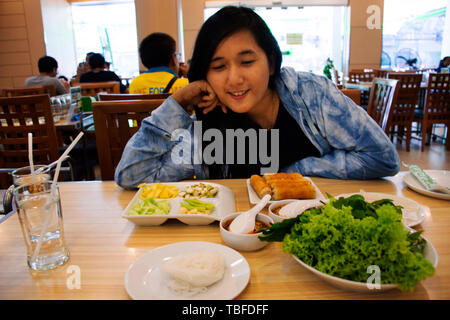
(285, 189)
(260, 186)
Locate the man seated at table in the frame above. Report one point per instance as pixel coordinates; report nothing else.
(48, 69)
(98, 74)
(157, 53)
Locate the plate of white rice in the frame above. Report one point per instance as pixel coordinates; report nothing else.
(192, 270)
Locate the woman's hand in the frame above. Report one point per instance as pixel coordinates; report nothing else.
(197, 93)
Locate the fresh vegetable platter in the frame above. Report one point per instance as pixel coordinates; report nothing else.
(348, 239)
(155, 203)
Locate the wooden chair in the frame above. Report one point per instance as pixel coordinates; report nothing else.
(91, 89)
(18, 117)
(407, 101)
(115, 123)
(26, 91)
(126, 96)
(383, 96)
(361, 75)
(382, 73)
(353, 94)
(437, 106)
(335, 78)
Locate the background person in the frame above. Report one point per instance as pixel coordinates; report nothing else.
(48, 70)
(83, 67)
(236, 83)
(157, 53)
(444, 63)
(98, 74)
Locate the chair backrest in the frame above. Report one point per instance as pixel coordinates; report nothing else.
(383, 96)
(382, 73)
(407, 97)
(354, 94)
(437, 102)
(91, 89)
(126, 96)
(335, 78)
(26, 91)
(115, 123)
(18, 117)
(361, 75)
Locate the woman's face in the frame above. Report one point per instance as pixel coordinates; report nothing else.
(239, 73)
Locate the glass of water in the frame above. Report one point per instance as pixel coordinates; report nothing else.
(40, 216)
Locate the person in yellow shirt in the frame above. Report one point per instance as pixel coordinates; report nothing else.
(157, 53)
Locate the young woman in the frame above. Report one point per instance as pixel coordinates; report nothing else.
(236, 85)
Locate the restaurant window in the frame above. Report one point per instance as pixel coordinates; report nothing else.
(109, 29)
(412, 32)
(307, 35)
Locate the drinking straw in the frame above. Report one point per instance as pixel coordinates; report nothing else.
(53, 191)
(30, 156)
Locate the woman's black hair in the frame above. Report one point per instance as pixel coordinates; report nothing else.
(223, 24)
(226, 22)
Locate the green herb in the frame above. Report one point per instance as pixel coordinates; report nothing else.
(346, 236)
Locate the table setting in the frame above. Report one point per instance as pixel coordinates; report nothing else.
(177, 241)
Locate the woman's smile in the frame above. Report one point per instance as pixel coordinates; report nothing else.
(238, 95)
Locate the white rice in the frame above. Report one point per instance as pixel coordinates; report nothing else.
(193, 273)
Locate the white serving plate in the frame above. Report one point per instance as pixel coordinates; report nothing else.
(430, 254)
(254, 199)
(145, 279)
(224, 203)
(440, 176)
(412, 213)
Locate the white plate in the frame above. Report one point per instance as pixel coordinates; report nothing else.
(224, 203)
(430, 254)
(440, 176)
(145, 280)
(413, 212)
(254, 199)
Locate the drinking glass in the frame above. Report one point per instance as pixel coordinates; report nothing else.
(40, 216)
(22, 176)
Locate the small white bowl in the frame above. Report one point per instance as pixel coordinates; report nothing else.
(243, 242)
(302, 206)
(273, 206)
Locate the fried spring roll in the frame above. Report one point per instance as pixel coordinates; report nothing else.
(260, 186)
(292, 190)
(283, 176)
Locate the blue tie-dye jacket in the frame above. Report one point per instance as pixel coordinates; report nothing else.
(351, 144)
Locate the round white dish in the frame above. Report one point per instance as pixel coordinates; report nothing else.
(413, 212)
(145, 279)
(243, 242)
(430, 254)
(440, 176)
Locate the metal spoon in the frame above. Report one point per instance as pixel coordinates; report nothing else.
(245, 222)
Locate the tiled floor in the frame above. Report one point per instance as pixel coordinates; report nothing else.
(434, 156)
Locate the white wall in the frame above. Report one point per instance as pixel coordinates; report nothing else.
(446, 36)
(58, 35)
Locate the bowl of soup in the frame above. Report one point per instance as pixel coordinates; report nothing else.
(248, 241)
